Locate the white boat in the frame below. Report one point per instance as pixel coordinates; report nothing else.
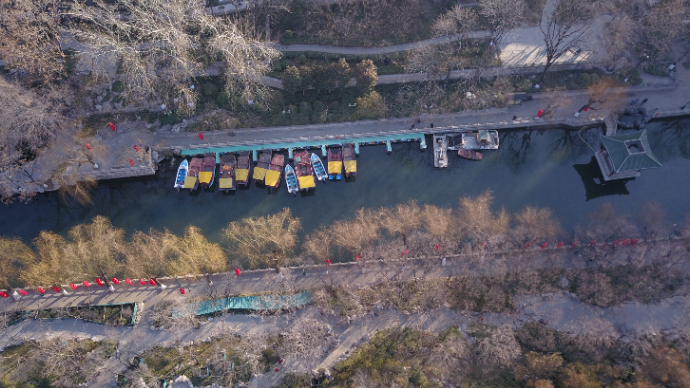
(440, 151)
(291, 179)
(319, 170)
(474, 140)
(181, 174)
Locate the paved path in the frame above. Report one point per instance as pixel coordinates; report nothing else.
(380, 50)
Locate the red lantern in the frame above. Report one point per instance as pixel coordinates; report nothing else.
(74, 286)
(182, 291)
(152, 282)
(131, 162)
(55, 288)
(541, 112)
(112, 126)
(626, 241)
(86, 284)
(485, 244)
(544, 245)
(21, 292)
(575, 244)
(100, 282)
(438, 246)
(405, 253)
(280, 361)
(142, 282)
(277, 370)
(136, 148)
(115, 281)
(237, 271)
(201, 136)
(591, 243)
(359, 257)
(88, 147)
(528, 245)
(634, 241)
(41, 290)
(129, 282)
(560, 244)
(328, 261)
(3, 294)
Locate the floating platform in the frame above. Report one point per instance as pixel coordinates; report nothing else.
(440, 151)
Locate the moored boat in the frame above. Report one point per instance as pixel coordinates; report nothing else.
(319, 170)
(440, 151)
(262, 166)
(181, 174)
(208, 174)
(226, 173)
(274, 171)
(470, 154)
(335, 163)
(196, 165)
(291, 180)
(349, 160)
(243, 167)
(474, 140)
(304, 170)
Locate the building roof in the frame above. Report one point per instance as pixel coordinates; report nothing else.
(630, 152)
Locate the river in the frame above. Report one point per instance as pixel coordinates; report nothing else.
(546, 168)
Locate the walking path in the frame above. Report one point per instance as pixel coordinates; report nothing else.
(380, 50)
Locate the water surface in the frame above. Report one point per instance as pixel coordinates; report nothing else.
(549, 168)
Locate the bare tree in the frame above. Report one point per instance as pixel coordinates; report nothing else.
(564, 30)
(161, 46)
(499, 348)
(402, 219)
(264, 241)
(96, 248)
(14, 256)
(502, 15)
(479, 222)
(54, 266)
(194, 254)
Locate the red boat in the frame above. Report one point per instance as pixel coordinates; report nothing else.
(469, 154)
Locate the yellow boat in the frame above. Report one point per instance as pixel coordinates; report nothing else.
(335, 163)
(350, 161)
(274, 171)
(243, 167)
(207, 176)
(304, 170)
(226, 173)
(262, 166)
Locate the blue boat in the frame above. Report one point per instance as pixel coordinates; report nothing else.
(319, 170)
(291, 179)
(181, 174)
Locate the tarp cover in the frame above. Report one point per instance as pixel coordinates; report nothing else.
(350, 166)
(225, 183)
(335, 167)
(241, 174)
(306, 182)
(259, 173)
(205, 176)
(272, 178)
(261, 302)
(189, 182)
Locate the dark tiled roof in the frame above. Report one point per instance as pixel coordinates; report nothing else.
(630, 152)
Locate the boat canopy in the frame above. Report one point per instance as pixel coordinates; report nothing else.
(205, 176)
(225, 183)
(483, 137)
(241, 174)
(259, 173)
(335, 167)
(189, 182)
(350, 166)
(306, 182)
(272, 177)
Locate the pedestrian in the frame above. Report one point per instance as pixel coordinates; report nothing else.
(419, 119)
(643, 101)
(431, 125)
(514, 118)
(412, 127)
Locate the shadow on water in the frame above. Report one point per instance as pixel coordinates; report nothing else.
(595, 185)
(531, 168)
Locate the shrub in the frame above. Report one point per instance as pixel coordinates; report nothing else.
(371, 106)
(584, 79)
(210, 90)
(304, 107)
(118, 87)
(285, 63)
(301, 59)
(222, 100)
(288, 34)
(318, 106)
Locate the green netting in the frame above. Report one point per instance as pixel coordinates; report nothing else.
(261, 302)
